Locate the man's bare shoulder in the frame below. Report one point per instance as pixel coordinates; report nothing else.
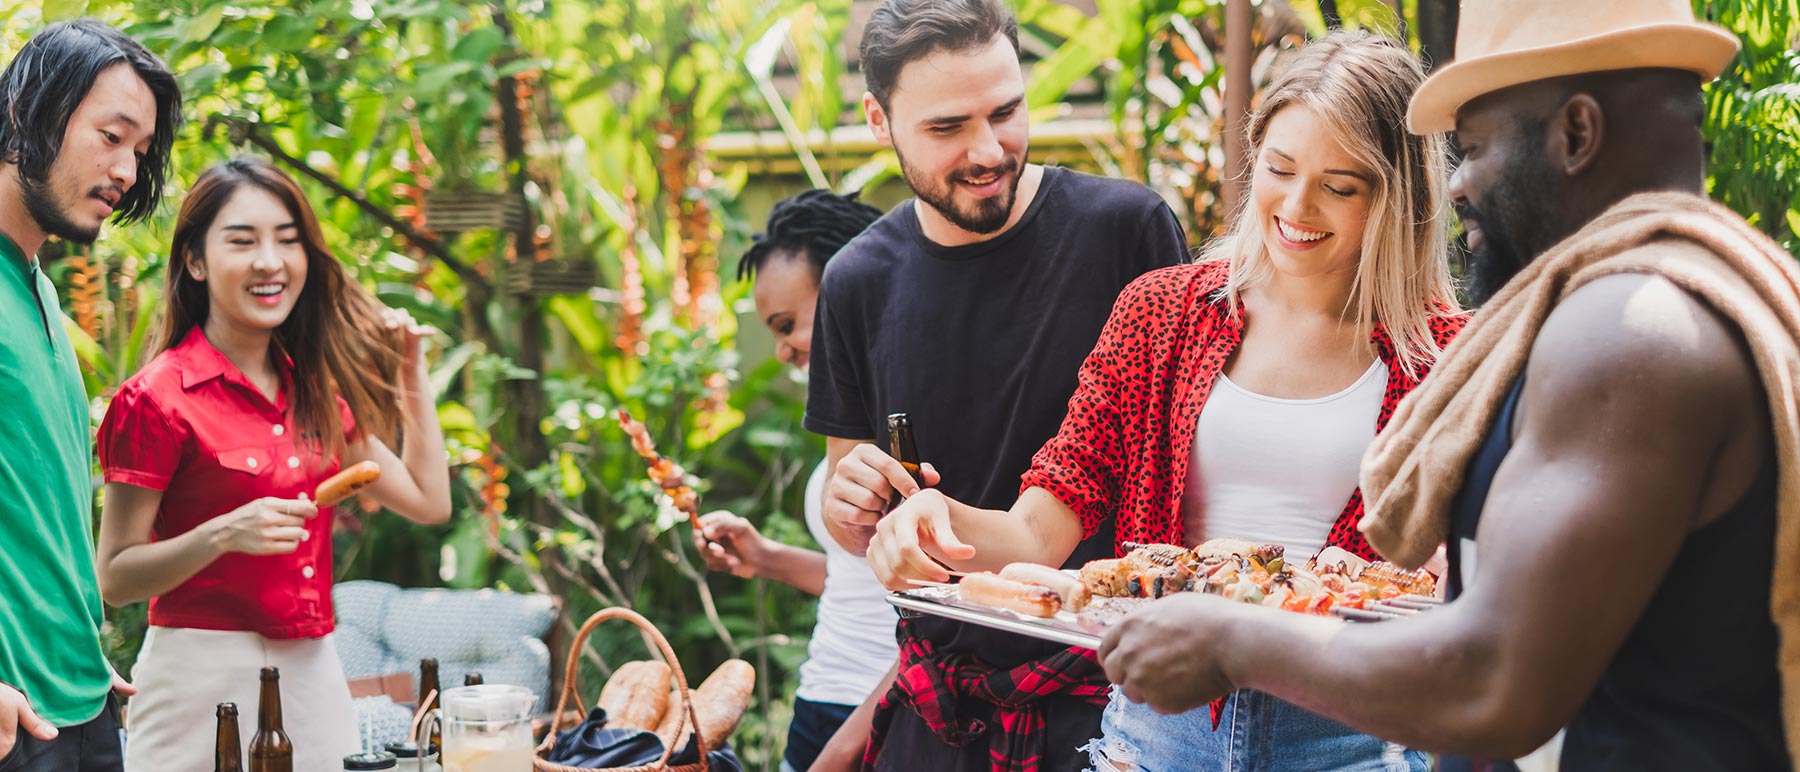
(1633, 352)
(1638, 327)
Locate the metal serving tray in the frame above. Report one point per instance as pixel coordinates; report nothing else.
(942, 601)
(1067, 628)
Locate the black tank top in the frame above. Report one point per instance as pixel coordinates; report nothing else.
(1695, 685)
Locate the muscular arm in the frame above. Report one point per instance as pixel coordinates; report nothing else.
(1640, 410)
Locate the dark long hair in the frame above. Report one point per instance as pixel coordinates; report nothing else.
(334, 335)
(51, 76)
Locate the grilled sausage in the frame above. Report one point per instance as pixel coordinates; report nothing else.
(341, 485)
(990, 590)
(1073, 593)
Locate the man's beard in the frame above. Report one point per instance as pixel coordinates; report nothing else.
(984, 216)
(1517, 223)
(50, 214)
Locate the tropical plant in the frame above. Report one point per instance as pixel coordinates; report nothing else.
(1753, 116)
(598, 115)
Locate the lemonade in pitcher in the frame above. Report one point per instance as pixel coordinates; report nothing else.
(487, 728)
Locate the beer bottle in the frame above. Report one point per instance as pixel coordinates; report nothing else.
(270, 749)
(227, 755)
(471, 679)
(428, 683)
(902, 448)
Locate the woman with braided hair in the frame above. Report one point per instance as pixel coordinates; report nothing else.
(853, 641)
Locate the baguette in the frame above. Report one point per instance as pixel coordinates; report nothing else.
(990, 590)
(673, 725)
(720, 702)
(723, 697)
(1073, 593)
(636, 696)
(341, 485)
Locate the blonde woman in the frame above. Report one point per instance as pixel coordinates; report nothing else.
(1235, 397)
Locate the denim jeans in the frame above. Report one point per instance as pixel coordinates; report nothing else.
(814, 724)
(1257, 733)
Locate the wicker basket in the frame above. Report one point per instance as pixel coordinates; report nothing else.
(571, 676)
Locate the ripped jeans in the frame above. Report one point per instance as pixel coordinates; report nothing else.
(1257, 733)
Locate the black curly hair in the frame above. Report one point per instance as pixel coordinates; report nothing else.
(813, 225)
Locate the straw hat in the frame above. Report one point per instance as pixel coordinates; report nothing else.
(1504, 43)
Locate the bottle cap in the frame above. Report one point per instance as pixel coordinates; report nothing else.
(370, 760)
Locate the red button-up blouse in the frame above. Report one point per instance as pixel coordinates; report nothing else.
(191, 425)
(1123, 450)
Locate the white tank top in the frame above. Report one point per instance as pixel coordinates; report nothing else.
(853, 640)
(1278, 471)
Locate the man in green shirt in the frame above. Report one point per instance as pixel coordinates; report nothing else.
(86, 120)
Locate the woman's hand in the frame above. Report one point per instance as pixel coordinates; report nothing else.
(266, 526)
(411, 333)
(736, 547)
(898, 552)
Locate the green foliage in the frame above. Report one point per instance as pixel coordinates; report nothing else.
(1753, 116)
(373, 101)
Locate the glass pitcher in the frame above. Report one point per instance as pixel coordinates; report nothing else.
(487, 728)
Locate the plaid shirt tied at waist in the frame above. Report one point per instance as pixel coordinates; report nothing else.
(935, 686)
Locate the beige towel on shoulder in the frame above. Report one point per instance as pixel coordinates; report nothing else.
(1414, 469)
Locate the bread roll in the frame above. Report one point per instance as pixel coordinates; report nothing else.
(671, 726)
(1074, 594)
(721, 700)
(636, 696)
(986, 589)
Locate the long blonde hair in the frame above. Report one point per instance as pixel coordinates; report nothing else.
(1359, 84)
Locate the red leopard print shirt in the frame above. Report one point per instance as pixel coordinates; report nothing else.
(1123, 449)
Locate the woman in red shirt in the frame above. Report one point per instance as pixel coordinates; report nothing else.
(274, 369)
(1235, 397)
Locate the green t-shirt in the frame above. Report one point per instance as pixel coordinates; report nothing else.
(49, 597)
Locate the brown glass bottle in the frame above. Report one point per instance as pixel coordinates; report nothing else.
(228, 755)
(428, 683)
(471, 679)
(270, 749)
(904, 450)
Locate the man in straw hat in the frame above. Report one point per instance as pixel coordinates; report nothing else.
(1609, 450)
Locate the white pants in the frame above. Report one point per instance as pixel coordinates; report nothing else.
(182, 675)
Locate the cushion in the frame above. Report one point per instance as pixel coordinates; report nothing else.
(384, 629)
